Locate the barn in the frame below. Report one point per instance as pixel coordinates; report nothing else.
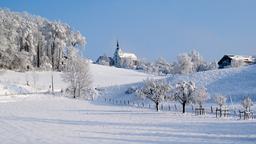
(227, 60)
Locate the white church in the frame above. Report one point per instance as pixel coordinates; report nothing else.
(124, 59)
(120, 59)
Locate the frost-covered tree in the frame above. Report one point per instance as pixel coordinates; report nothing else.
(200, 96)
(128, 63)
(163, 67)
(192, 62)
(155, 90)
(184, 92)
(35, 41)
(196, 59)
(185, 64)
(220, 100)
(237, 63)
(247, 103)
(78, 76)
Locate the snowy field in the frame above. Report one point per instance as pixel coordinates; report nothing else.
(49, 119)
(58, 120)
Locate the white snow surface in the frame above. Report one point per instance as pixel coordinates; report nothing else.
(51, 119)
(105, 76)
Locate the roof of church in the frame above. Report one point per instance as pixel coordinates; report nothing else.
(128, 55)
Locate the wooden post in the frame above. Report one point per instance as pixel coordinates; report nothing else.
(52, 84)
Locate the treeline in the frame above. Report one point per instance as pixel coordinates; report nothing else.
(186, 63)
(28, 42)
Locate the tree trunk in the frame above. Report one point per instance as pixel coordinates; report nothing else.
(157, 106)
(59, 58)
(183, 107)
(74, 92)
(52, 85)
(38, 56)
(52, 54)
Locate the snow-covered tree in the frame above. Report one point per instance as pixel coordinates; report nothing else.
(155, 90)
(220, 100)
(78, 76)
(163, 67)
(237, 63)
(127, 63)
(34, 41)
(200, 96)
(184, 92)
(196, 59)
(185, 64)
(192, 62)
(247, 103)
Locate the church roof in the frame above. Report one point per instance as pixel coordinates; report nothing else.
(128, 55)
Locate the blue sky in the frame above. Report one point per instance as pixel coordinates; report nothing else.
(154, 28)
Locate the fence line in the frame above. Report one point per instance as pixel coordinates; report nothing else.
(162, 107)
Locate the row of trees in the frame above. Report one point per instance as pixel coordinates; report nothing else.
(28, 41)
(186, 63)
(184, 92)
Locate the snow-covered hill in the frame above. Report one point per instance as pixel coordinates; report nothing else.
(234, 82)
(46, 118)
(103, 76)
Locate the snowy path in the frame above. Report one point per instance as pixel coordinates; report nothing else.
(47, 119)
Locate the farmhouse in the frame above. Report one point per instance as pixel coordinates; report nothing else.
(227, 60)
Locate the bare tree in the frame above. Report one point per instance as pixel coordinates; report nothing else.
(155, 90)
(247, 103)
(77, 74)
(184, 93)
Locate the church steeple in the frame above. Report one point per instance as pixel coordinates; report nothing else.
(117, 45)
(116, 57)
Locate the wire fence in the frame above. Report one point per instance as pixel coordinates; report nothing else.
(167, 106)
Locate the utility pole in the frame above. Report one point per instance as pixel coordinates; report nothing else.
(52, 84)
